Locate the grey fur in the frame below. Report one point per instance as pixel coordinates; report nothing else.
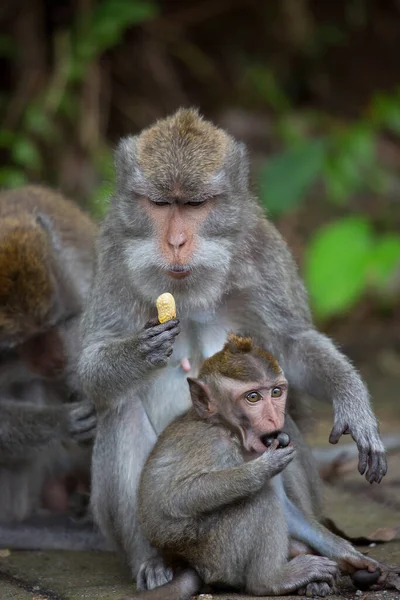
(40, 428)
(52, 532)
(232, 520)
(244, 279)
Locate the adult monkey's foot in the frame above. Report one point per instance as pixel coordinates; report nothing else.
(153, 573)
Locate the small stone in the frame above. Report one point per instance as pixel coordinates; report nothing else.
(4, 553)
(372, 545)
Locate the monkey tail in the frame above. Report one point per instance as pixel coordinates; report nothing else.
(182, 587)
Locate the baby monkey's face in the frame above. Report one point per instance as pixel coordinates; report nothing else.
(255, 410)
(244, 388)
(259, 410)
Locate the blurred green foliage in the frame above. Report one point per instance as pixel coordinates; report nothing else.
(104, 29)
(286, 178)
(345, 259)
(57, 106)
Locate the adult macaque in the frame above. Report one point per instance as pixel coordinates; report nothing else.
(212, 492)
(183, 220)
(46, 266)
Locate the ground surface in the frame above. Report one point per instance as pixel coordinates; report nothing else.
(357, 507)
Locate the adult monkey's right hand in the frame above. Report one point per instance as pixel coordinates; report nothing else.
(156, 341)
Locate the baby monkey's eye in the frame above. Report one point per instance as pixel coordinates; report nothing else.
(253, 397)
(276, 392)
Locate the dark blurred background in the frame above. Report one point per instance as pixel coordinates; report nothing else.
(312, 87)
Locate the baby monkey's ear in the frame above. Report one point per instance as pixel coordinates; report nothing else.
(201, 398)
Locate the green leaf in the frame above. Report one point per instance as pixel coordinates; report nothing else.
(336, 265)
(7, 46)
(384, 259)
(11, 178)
(351, 166)
(7, 138)
(286, 178)
(110, 19)
(25, 154)
(100, 199)
(132, 12)
(104, 162)
(37, 122)
(337, 187)
(360, 144)
(264, 82)
(385, 112)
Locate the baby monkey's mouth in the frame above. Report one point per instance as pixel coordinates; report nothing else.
(282, 438)
(258, 444)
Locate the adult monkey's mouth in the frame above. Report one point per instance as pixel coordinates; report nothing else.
(179, 271)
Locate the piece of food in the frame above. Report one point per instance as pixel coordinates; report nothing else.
(363, 579)
(283, 439)
(166, 307)
(268, 440)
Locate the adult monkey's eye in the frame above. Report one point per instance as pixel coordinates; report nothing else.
(159, 203)
(253, 397)
(276, 392)
(196, 204)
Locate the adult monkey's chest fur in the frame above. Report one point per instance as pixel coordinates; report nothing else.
(168, 393)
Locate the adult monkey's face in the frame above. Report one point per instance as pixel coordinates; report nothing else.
(183, 185)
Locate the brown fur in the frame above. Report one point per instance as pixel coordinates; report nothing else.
(202, 502)
(26, 286)
(229, 363)
(195, 147)
(46, 266)
(241, 276)
(74, 227)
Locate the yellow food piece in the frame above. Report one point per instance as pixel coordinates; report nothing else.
(166, 307)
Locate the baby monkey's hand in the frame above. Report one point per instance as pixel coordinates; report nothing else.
(276, 459)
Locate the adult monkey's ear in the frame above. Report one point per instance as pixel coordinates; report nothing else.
(66, 300)
(201, 398)
(128, 175)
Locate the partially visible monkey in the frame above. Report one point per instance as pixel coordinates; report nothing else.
(183, 220)
(211, 495)
(46, 267)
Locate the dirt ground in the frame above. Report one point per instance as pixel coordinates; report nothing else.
(356, 507)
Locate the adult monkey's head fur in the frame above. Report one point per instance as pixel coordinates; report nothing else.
(25, 283)
(36, 293)
(182, 196)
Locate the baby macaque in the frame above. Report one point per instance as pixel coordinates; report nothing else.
(211, 496)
